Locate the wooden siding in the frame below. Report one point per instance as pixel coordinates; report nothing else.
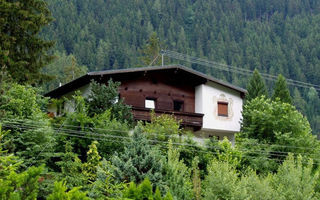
(134, 93)
(193, 120)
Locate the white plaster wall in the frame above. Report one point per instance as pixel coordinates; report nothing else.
(206, 102)
(69, 105)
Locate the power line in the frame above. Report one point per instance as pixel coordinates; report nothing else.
(229, 68)
(96, 136)
(187, 149)
(36, 124)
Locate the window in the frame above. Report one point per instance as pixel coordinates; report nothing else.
(150, 103)
(178, 105)
(223, 109)
(116, 99)
(60, 108)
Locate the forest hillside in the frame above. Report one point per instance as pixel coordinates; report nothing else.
(99, 152)
(275, 37)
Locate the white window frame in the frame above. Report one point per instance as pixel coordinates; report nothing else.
(150, 103)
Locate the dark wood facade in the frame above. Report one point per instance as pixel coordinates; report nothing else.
(165, 90)
(134, 93)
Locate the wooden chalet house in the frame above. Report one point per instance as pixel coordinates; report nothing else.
(206, 105)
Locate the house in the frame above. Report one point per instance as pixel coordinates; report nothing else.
(204, 104)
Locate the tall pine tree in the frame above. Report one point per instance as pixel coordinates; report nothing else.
(150, 51)
(281, 91)
(22, 51)
(256, 87)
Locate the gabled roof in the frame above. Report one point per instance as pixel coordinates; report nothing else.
(198, 77)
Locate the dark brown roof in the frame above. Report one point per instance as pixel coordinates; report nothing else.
(198, 78)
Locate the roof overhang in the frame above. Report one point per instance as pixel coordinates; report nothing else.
(182, 73)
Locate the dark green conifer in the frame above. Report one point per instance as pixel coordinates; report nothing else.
(281, 90)
(23, 51)
(104, 98)
(256, 87)
(138, 161)
(151, 50)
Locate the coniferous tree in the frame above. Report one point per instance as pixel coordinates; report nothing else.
(71, 167)
(93, 161)
(281, 91)
(178, 175)
(139, 161)
(196, 180)
(151, 51)
(256, 87)
(60, 192)
(22, 50)
(104, 98)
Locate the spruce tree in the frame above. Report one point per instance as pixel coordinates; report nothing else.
(104, 98)
(21, 49)
(139, 161)
(256, 87)
(150, 51)
(281, 90)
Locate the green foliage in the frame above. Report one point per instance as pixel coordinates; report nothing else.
(256, 168)
(296, 180)
(8, 162)
(151, 51)
(93, 161)
(293, 180)
(224, 151)
(222, 182)
(178, 176)
(15, 185)
(256, 87)
(71, 167)
(259, 156)
(60, 193)
(105, 185)
(104, 98)
(31, 135)
(21, 102)
(92, 126)
(144, 191)
(22, 50)
(139, 161)
(22, 185)
(196, 181)
(275, 127)
(275, 122)
(281, 91)
(162, 127)
(191, 149)
(271, 36)
(257, 187)
(64, 68)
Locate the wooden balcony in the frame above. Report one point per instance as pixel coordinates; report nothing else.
(193, 120)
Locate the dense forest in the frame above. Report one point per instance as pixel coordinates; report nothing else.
(275, 37)
(99, 151)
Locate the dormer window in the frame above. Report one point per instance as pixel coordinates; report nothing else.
(178, 105)
(150, 103)
(223, 109)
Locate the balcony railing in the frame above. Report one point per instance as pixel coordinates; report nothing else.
(193, 120)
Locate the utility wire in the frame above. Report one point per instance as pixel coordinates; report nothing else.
(91, 135)
(229, 68)
(36, 124)
(188, 149)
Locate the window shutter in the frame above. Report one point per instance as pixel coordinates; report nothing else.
(223, 109)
